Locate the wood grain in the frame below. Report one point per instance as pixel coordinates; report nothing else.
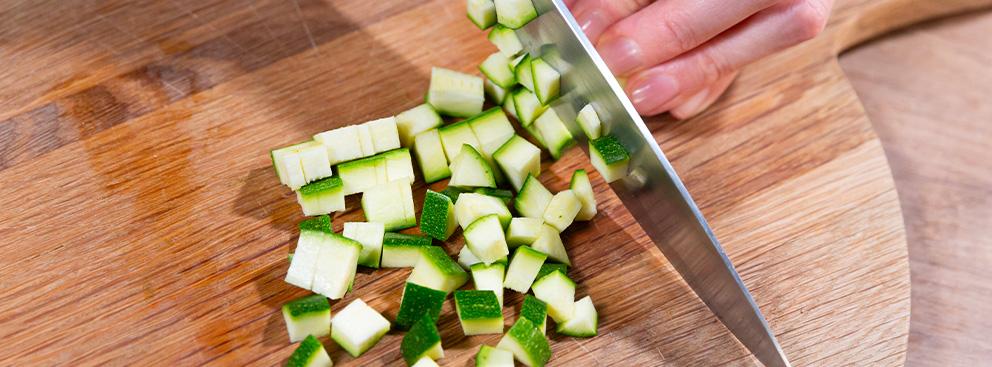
(925, 91)
(143, 225)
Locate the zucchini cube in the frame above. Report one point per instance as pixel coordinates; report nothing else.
(547, 80)
(589, 121)
(558, 291)
(554, 132)
(609, 157)
(416, 120)
(313, 235)
(336, 264)
(506, 40)
(323, 196)
(523, 231)
(310, 353)
(582, 188)
(527, 343)
(532, 199)
(517, 158)
(493, 357)
(497, 95)
(547, 268)
(584, 321)
(430, 156)
(385, 134)
(482, 13)
(455, 94)
(310, 315)
(423, 340)
(536, 311)
(497, 68)
(479, 312)
(363, 174)
(390, 204)
(436, 270)
(471, 206)
(489, 278)
(470, 169)
(549, 242)
(523, 269)
(419, 302)
(527, 106)
(437, 219)
(484, 237)
(343, 144)
(399, 165)
(562, 209)
(402, 250)
(358, 327)
(370, 235)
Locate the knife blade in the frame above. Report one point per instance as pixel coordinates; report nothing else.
(652, 192)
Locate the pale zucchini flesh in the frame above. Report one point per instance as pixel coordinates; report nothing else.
(554, 132)
(549, 242)
(562, 209)
(358, 327)
(582, 188)
(416, 120)
(524, 266)
(454, 93)
(430, 156)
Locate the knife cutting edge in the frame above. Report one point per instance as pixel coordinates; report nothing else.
(652, 191)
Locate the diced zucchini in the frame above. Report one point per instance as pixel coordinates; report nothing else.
(609, 157)
(496, 67)
(528, 107)
(589, 121)
(523, 231)
(370, 235)
(524, 265)
(482, 13)
(455, 94)
(402, 250)
(471, 206)
(399, 166)
(479, 312)
(304, 264)
(358, 327)
(584, 321)
(582, 188)
(385, 134)
(469, 169)
(515, 13)
(336, 265)
(489, 278)
(554, 132)
(286, 162)
(536, 311)
(437, 219)
(365, 139)
(518, 158)
(342, 144)
(508, 105)
(525, 75)
(558, 291)
(547, 268)
(310, 315)
(562, 209)
(484, 237)
(532, 130)
(437, 271)
(527, 343)
(416, 120)
(390, 204)
(547, 80)
(425, 362)
(532, 199)
(454, 136)
(423, 340)
(466, 258)
(363, 174)
(419, 302)
(492, 129)
(430, 156)
(505, 195)
(310, 353)
(313, 159)
(506, 40)
(497, 95)
(549, 242)
(323, 196)
(493, 357)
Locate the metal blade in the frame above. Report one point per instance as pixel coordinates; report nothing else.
(652, 192)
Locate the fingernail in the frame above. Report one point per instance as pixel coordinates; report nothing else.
(621, 54)
(593, 23)
(693, 106)
(653, 93)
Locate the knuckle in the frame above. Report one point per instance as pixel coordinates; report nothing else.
(675, 25)
(809, 17)
(713, 67)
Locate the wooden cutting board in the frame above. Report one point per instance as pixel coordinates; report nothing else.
(143, 225)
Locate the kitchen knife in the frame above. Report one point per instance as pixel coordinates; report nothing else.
(652, 191)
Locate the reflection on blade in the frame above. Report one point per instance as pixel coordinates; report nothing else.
(652, 192)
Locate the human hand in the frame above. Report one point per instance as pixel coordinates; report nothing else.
(679, 56)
